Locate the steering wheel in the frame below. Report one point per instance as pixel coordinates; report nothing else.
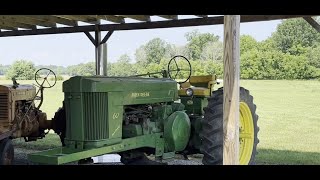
(39, 77)
(174, 67)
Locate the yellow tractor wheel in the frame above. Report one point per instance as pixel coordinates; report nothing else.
(212, 129)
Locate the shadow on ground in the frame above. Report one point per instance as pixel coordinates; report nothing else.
(264, 157)
(285, 157)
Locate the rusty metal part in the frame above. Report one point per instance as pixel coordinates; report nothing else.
(18, 115)
(43, 122)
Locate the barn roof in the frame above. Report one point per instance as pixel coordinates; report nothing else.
(20, 25)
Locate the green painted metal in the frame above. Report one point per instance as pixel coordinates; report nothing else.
(177, 131)
(194, 105)
(132, 130)
(97, 119)
(66, 155)
(94, 106)
(194, 108)
(133, 90)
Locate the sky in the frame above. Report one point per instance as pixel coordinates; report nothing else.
(71, 49)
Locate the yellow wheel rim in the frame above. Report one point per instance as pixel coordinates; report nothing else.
(246, 133)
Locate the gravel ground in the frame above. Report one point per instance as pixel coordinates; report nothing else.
(21, 159)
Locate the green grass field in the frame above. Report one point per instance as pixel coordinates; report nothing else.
(289, 120)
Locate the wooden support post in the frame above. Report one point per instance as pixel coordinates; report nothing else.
(231, 62)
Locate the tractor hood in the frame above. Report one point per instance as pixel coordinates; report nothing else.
(131, 88)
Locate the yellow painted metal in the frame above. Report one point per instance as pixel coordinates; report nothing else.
(246, 133)
(185, 85)
(201, 85)
(202, 79)
(197, 91)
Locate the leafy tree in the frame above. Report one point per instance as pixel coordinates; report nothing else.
(197, 42)
(267, 45)
(273, 64)
(313, 56)
(177, 50)
(152, 52)
(213, 51)
(21, 70)
(156, 50)
(247, 43)
(295, 33)
(57, 69)
(83, 69)
(122, 67)
(141, 56)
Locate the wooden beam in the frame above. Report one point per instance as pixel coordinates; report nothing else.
(90, 38)
(254, 18)
(32, 21)
(54, 19)
(115, 19)
(150, 25)
(106, 37)
(202, 15)
(10, 22)
(83, 18)
(8, 28)
(138, 17)
(231, 63)
(313, 23)
(173, 17)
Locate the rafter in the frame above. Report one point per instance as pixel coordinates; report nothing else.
(313, 23)
(10, 22)
(32, 21)
(138, 17)
(173, 17)
(150, 25)
(54, 19)
(115, 19)
(83, 18)
(8, 28)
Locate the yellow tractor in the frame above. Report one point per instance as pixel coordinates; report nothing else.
(20, 115)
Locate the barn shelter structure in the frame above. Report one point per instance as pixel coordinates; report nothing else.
(26, 25)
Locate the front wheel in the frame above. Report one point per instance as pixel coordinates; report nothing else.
(6, 152)
(212, 129)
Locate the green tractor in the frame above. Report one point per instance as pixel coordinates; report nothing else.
(137, 116)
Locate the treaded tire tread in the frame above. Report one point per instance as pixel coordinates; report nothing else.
(212, 127)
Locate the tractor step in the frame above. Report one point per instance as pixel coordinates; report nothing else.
(65, 155)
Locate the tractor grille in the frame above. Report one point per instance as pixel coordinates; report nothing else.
(95, 113)
(3, 106)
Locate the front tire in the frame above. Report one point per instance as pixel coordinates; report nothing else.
(6, 152)
(212, 129)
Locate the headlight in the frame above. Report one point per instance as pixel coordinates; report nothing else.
(189, 92)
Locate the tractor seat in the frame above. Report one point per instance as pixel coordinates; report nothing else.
(201, 85)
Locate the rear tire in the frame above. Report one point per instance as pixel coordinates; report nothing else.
(6, 152)
(212, 129)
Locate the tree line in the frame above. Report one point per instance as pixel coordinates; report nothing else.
(291, 52)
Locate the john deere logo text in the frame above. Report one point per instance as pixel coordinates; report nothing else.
(142, 94)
